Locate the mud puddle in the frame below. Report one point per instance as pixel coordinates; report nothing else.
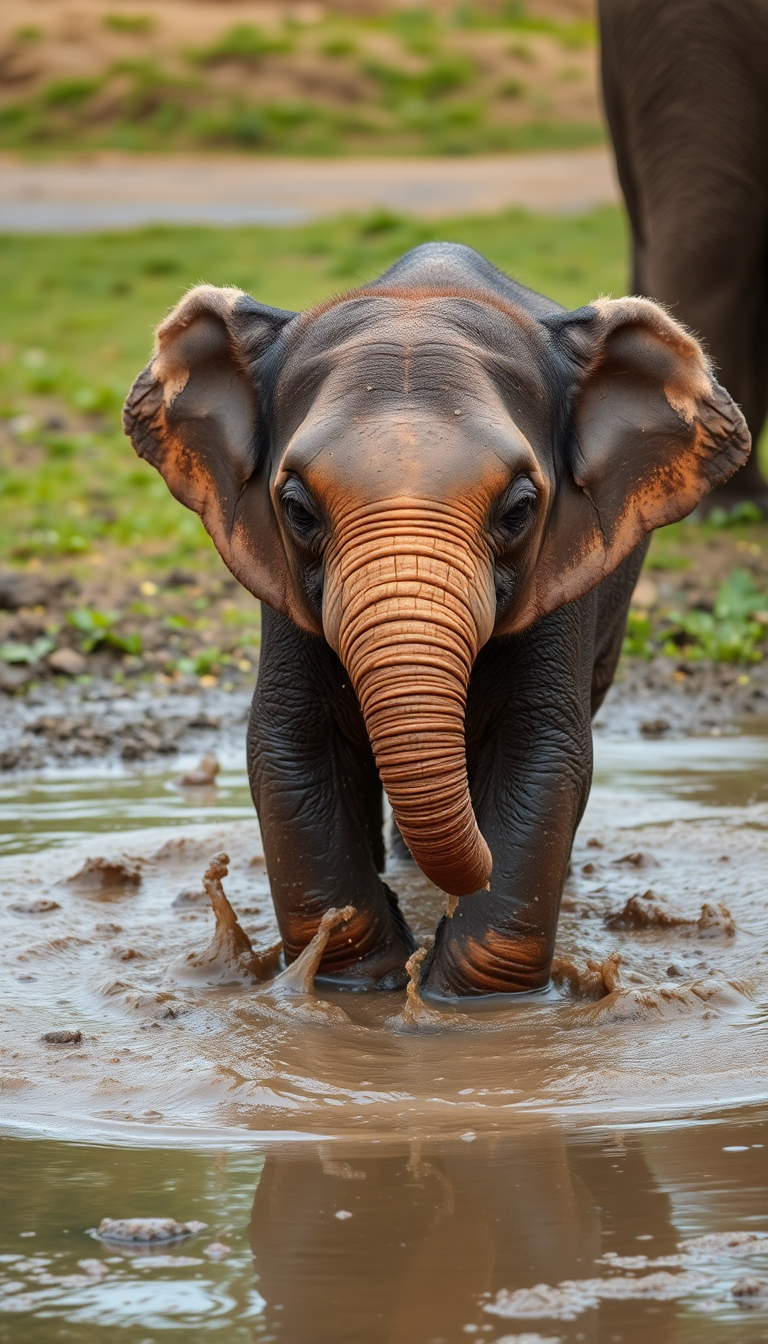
(378, 1169)
(619, 1234)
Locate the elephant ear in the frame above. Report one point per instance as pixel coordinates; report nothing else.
(652, 433)
(194, 413)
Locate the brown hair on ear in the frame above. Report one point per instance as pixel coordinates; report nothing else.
(652, 434)
(193, 413)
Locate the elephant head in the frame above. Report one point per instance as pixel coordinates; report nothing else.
(427, 462)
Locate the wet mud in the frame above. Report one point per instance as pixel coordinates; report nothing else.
(145, 994)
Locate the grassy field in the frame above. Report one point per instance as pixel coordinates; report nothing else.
(76, 327)
(204, 74)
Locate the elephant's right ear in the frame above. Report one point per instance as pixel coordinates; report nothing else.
(194, 413)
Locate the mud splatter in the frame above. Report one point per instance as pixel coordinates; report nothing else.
(203, 776)
(299, 977)
(416, 1015)
(230, 955)
(41, 907)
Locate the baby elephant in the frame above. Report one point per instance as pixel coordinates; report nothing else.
(440, 486)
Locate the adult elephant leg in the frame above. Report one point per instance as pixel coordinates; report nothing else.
(685, 95)
(318, 797)
(529, 748)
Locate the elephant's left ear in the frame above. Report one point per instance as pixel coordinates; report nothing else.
(651, 434)
(194, 412)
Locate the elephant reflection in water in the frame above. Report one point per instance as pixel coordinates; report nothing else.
(366, 1246)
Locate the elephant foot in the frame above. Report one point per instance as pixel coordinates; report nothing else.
(477, 963)
(368, 951)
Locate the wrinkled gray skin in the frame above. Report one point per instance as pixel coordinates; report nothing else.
(685, 84)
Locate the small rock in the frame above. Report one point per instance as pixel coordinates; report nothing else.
(203, 775)
(179, 578)
(151, 1230)
(24, 590)
(189, 896)
(13, 678)
(67, 661)
(218, 1250)
(63, 1037)
(654, 727)
(95, 1269)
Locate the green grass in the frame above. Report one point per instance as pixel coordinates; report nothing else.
(76, 327)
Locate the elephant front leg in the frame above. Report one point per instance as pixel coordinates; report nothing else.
(318, 798)
(531, 776)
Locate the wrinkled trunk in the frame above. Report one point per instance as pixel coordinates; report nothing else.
(409, 601)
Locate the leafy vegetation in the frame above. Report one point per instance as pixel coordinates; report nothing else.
(730, 631)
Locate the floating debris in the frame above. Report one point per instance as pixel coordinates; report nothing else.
(203, 775)
(145, 1230)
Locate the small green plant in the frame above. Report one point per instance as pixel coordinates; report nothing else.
(243, 42)
(26, 654)
(338, 45)
(638, 641)
(29, 33)
(512, 88)
(69, 92)
(129, 23)
(203, 663)
(98, 630)
(730, 632)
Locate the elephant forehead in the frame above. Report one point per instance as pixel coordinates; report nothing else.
(408, 451)
(366, 350)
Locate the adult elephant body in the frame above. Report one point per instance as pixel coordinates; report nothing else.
(686, 93)
(440, 486)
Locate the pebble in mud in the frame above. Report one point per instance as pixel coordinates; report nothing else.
(217, 1250)
(63, 1037)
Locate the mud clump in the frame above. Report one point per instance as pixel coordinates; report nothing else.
(203, 776)
(716, 921)
(145, 1231)
(299, 977)
(62, 1037)
(651, 911)
(104, 875)
(230, 955)
(594, 981)
(646, 911)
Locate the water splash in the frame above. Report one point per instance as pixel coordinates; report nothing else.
(299, 977)
(230, 955)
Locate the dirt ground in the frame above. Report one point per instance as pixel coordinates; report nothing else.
(87, 696)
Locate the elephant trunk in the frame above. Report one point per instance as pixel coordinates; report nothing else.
(408, 603)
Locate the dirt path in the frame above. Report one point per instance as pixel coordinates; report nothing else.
(112, 191)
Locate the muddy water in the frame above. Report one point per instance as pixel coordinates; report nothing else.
(383, 1170)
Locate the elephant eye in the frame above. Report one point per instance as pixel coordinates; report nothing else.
(517, 509)
(299, 512)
